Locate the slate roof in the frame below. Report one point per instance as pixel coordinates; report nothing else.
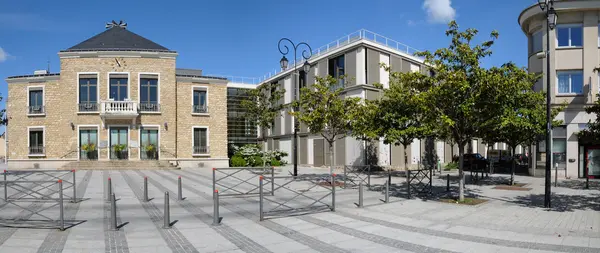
(118, 39)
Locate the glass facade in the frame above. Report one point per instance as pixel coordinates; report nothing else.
(240, 131)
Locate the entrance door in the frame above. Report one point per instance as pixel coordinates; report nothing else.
(88, 144)
(318, 153)
(118, 143)
(149, 141)
(593, 162)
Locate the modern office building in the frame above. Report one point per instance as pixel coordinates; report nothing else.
(118, 96)
(574, 59)
(240, 130)
(358, 56)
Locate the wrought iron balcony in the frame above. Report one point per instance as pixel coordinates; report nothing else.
(119, 108)
(200, 150)
(37, 150)
(37, 109)
(88, 107)
(149, 107)
(200, 109)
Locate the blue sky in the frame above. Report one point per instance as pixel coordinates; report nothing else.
(240, 38)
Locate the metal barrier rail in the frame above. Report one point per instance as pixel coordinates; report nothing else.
(420, 181)
(43, 196)
(290, 192)
(357, 175)
(232, 178)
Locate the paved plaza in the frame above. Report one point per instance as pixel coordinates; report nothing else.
(511, 221)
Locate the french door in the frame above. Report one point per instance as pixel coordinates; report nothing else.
(149, 144)
(118, 143)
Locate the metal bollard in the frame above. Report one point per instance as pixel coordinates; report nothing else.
(272, 181)
(179, 191)
(214, 179)
(109, 189)
(5, 187)
(146, 189)
(333, 193)
(167, 212)
(61, 205)
(216, 218)
(387, 193)
(260, 197)
(555, 174)
(408, 182)
(587, 182)
(360, 195)
(113, 212)
(447, 182)
(74, 188)
(389, 182)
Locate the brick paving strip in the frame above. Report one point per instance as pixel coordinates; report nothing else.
(280, 229)
(55, 240)
(6, 233)
(472, 238)
(114, 241)
(175, 240)
(401, 245)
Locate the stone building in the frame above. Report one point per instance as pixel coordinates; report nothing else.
(118, 96)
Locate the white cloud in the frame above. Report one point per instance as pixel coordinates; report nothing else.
(3, 55)
(439, 11)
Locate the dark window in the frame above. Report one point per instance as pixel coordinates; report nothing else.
(301, 82)
(200, 141)
(337, 70)
(118, 89)
(199, 100)
(36, 98)
(36, 142)
(88, 94)
(148, 91)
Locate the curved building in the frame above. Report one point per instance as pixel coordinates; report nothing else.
(574, 57)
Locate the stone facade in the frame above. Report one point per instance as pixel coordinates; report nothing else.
(63, 120)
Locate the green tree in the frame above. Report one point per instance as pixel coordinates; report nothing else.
(325, 112)
(263, 106)
(401, 109)
(451, 104)
(592, 133)
(363, 126)
(519, 111)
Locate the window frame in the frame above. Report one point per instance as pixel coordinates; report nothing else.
(207, 140)
(148, 127)
(569, 26)
(200, 88)
(139, 93)
(87, 127)
(533, 34)
(336, 69)
(128, 84)
(36, 128)
(36, 88)
(569, 72)
(79, 74)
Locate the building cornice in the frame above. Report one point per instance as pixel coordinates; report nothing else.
(116, 53)
(33, 78)
(560, 6)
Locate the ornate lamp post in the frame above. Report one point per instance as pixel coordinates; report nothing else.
(306, 54)
(551, 17)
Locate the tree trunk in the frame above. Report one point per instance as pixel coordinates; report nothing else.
(405, 158)
(512, 170)
(331, 161)
(461, 173)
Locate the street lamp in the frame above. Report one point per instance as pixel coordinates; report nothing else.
(306, 54)
(551, 17)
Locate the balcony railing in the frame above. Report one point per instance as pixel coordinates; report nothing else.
(149, 107)
(37, 150)
(37, 109)
(88, 107)
(200, 150)
(119, 108)
(200, 109)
